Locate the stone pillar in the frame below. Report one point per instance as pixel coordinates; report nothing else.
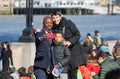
(23, 54)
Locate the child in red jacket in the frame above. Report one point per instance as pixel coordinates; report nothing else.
(92, 63)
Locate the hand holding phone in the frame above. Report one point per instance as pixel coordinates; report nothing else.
(52, 36)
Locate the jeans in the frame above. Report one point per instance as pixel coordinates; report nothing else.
(40, 74)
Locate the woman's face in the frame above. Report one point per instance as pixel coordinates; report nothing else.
(5, 46)
(56, 19)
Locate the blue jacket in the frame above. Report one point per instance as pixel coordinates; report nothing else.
(43, 46)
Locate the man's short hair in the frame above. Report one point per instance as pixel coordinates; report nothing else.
(101, 54)
(46, 17)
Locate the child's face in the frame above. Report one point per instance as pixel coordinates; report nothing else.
(100, 60)
(48, 23)
(59, 38)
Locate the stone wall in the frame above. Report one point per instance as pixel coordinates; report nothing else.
(23, 54)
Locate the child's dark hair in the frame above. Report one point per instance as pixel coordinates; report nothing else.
(59, 32)
(56, 12)
(22, 71)
(101, 54)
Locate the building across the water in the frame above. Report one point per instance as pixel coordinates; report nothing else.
(6, 6)
(47, 6)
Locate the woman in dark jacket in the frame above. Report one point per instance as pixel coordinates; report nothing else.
(72, 35)
(7, 54)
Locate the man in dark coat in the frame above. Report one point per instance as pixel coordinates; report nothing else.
(43, 46)
(72, 35)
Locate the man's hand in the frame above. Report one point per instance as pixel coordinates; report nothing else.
(37, 30)
(46, 36)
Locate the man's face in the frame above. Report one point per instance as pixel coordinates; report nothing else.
(48, 23)
(56, 19)
(58, 38)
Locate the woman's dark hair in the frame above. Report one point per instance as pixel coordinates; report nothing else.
(8, 46)
(113, 74)
(56, 12)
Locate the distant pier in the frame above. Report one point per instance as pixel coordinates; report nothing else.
(46, 11)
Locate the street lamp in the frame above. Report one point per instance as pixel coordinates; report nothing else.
(28, 35)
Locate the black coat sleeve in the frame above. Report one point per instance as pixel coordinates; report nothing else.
(39, 36)
(75, 32)
(11, 59)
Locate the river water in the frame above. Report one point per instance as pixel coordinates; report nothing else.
(11, 27)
